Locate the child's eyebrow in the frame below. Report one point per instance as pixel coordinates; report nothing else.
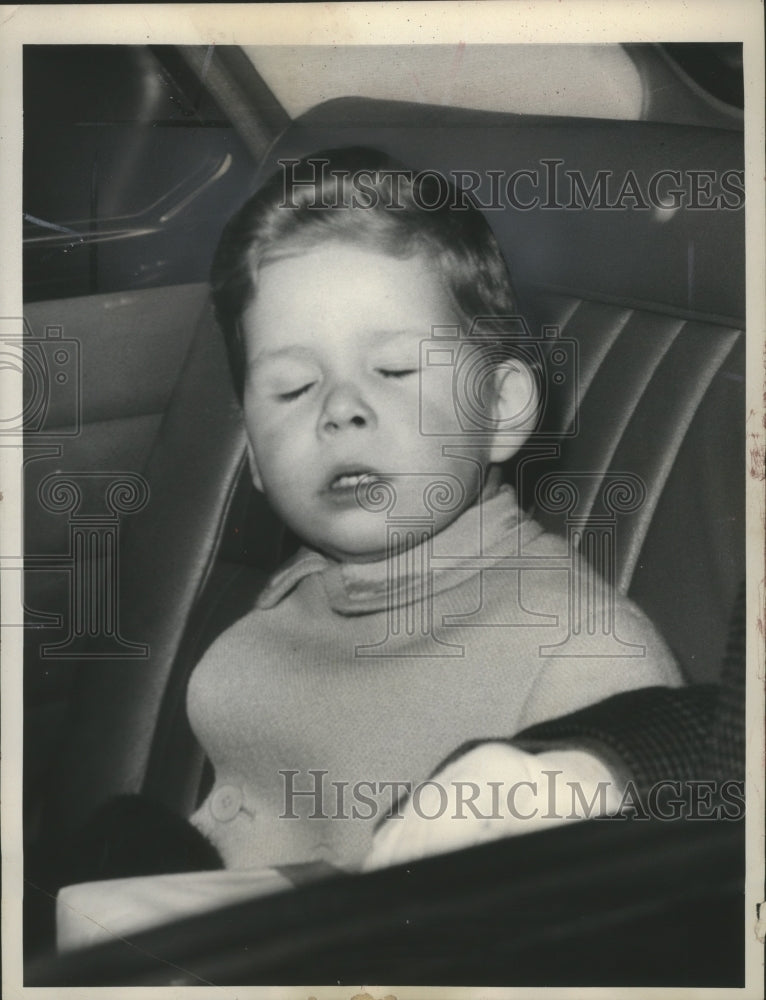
(263, 357)
(374, 335)
(391, 336)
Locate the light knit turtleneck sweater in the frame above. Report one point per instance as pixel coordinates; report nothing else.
(375, 672)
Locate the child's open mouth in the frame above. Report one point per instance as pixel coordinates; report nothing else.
(343, 484)
(347, 480)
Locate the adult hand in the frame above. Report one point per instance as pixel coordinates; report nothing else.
(494, 790)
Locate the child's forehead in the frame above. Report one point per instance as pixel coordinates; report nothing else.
(346, 249)
(338, 276)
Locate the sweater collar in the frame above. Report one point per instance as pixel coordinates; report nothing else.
(438, 563)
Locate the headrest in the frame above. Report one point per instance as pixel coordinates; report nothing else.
(646, 214)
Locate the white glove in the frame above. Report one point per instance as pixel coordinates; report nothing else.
(494, 790)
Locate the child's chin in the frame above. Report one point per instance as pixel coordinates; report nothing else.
(368, 548)
(358, 551)
(350, 536)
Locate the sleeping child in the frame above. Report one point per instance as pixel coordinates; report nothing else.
(385, 379)
(361, 714)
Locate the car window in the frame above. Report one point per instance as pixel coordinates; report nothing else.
(131, 166)
(683, 83)
(130, 170)
(598, 81)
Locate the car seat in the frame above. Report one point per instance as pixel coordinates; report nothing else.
(652, 297)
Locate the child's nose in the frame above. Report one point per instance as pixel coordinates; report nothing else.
(345, 407)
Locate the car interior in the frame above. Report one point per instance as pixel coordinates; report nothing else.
(145, 538)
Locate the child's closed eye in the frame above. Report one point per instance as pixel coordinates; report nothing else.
(394, 372)
(292, 394)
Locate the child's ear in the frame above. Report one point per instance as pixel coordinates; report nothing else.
(254, 473)
(515, 408)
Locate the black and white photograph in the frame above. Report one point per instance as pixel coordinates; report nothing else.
(383, 477)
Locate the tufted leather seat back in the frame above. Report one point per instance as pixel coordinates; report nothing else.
(662, 398)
